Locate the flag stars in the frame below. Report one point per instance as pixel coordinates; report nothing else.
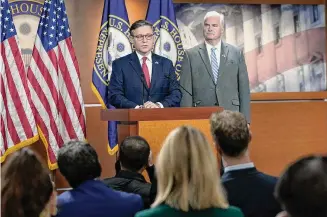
(54, 20)
(59, 9)
(64, 19)
(11, 30)
(6, 18)
(45, 33)
(62, 27)
(60, 34)
(51, 35)
(52, 27)
(8, 11)
(50, 43)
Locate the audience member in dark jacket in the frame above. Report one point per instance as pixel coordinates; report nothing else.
(247, 188)
(134, 157)
(79, 164)
(302, 189)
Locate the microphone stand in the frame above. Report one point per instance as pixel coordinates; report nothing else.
(195, 103)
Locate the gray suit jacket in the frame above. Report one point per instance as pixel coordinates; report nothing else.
(232, 91)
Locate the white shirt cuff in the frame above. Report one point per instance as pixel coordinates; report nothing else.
(161, 106)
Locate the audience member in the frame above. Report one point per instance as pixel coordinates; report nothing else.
(247, 188)
(78, 162)
(188, 179)
(134, 157)
(26, 187)
(302, 189)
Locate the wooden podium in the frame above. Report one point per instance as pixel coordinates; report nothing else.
(155, 124)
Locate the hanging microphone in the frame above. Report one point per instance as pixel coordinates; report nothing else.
(196, 103)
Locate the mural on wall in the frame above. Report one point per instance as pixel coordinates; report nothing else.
(284, 45)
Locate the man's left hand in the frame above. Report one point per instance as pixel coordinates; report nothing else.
(149, 104)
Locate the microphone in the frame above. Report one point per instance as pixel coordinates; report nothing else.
(196, 103)
(142, 81)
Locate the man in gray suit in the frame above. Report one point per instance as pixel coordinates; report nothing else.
(214, 72)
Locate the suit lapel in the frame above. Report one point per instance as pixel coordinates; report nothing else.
(205, 58)
(156, 70)
(135, 63)
(223, 59)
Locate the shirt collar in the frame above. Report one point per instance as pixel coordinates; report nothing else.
(209, 46)
(139, 56)
(239, 167)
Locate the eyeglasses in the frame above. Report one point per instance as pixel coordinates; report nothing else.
(140, 37)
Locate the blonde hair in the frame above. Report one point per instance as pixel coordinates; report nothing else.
(187, 172)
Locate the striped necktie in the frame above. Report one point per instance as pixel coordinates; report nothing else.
(214, 64)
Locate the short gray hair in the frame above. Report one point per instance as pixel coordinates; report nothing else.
(215, 14)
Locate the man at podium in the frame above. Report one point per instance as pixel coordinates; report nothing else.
(143, 79)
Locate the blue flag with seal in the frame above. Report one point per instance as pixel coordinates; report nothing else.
(168, 42)
(113, 43)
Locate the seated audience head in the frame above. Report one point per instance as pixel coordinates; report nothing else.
(78, 162)
(187, 172)
(231, 133)
(26, 187)
(134, 152)
(302, 188)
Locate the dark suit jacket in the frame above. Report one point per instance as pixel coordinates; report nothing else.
(133, 182)
(251, 191)
(232, 90)
(127, 87)
(93, 198)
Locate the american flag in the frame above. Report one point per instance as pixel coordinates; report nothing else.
(54, 82)
(17, 124)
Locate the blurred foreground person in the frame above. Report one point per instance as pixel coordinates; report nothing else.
(26, 187)
(188, 179)
(302, 189)
(79, 164)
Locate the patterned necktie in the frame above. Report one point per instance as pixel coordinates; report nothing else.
(214, 64)
(146, 71)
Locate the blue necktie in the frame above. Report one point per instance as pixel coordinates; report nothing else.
(214, 64)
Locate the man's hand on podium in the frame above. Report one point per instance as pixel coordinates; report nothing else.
(150, 104)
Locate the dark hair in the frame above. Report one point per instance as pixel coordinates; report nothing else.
(139, 24)
(78, 162)
(230, 131)
(302, 189)
(134, 153)
(26, 187)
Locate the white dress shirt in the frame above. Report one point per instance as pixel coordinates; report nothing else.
(148, 62)
(217, 51)
(149, 65)
(239, 167)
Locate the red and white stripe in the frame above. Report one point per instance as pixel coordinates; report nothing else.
(17, 124)
(56, 94)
